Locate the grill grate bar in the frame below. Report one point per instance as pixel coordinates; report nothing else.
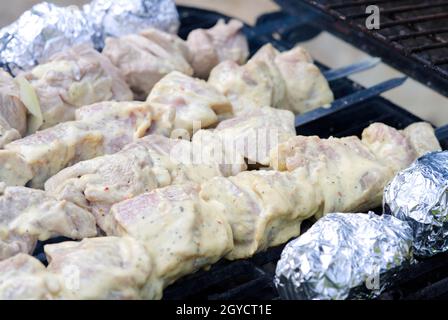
(440, 62)
(349, 4)
(429, 47)
(432, 291)
(425, 18)
(408, 30)
(417, 34)
(401, 9)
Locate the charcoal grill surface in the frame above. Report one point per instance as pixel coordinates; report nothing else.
(252, 279)
(413, 35)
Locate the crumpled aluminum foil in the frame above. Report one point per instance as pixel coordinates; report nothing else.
(344, 255)
(46, 28)
(418, 195)
(41, 32)
(119, 17)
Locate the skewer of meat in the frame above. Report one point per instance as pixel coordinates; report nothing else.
(81, 76)
(150, 163)
(261, 208)
(196, 103)
(51, 92)
(223, 42)
(101, 128)
(155, 161)
(287, 80)
(265, 208)
(107, 127)
(147, 57)
(72, 79)
(98, 268)
(28, 215)
(184, 239)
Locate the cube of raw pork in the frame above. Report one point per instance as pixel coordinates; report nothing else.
(28, 215)
(149, 163)
(146, 57)
(352, 173)
(222, 42)
(12, 111)
(23, 277)
(180, 236)
(346, 172)
(306, 86)
(397, 149)
(263, 208)
(196, 103)
(74, 78)
(254, 135)
(99, 268)
(102, 128)
(256, 84)
(286, 80)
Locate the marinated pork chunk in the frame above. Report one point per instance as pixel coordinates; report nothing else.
(397, 149)
(348, 175)
(98, 183)
(149, 163)
(209, 47)
(12, 111)
(28, 215)
(23, 277)
(196, 103)
(264, 208)
(287, 80)
(180, 236)
(7, 134)
(422, 138)
(102, 128)
(254, 135)
(350, 172)
(99, 268)
(211, 149)
(306, 87)
(256, 84)
(146, 57)
(74, 78)
(14, 170)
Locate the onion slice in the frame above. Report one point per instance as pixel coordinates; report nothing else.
(31, 101)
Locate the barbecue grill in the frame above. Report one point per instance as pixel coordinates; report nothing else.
(253, 278)
(413, 35)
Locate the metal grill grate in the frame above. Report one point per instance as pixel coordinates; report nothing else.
(413, 35)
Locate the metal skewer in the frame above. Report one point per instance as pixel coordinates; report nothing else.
(343, 72)
(347, 101)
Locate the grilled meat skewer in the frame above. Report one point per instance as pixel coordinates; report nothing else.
(101, 128)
